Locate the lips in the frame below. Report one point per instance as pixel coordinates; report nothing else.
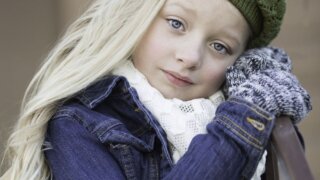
(177, 79)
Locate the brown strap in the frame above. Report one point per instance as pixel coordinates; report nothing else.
(286, 144)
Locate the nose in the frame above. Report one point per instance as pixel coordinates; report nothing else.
(190, 54)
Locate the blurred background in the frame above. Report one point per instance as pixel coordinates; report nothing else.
(29, 29)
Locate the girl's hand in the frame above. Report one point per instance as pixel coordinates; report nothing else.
(263, 77)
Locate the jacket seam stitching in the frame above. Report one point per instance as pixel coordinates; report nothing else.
(257, 145)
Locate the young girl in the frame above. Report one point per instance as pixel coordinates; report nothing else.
(133, 91)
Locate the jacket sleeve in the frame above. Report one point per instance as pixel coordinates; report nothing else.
(235, 143)
(71, 157)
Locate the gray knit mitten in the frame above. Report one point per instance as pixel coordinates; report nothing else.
(263, 77)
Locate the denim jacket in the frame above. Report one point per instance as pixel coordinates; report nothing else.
(105, 132)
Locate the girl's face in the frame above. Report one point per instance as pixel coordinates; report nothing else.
(185, 52)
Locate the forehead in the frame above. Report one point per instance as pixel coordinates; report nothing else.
(208, 6)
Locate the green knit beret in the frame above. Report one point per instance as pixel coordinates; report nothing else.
(264, 17)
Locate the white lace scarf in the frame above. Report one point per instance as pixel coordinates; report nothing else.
(181, 120)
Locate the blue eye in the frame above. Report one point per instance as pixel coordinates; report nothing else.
(220, 48)
(176, 24)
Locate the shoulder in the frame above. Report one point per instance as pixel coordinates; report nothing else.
(74, 118)
(80, 111)
(82, 107)
(105, 105)
(73, 146)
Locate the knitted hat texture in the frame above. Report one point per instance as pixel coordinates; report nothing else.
(264, 18)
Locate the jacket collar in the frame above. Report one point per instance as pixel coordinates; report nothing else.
(94, 94)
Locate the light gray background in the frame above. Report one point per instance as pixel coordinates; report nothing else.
(29, 29)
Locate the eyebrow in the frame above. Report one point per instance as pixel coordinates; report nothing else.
(185, 7)
(232, 37)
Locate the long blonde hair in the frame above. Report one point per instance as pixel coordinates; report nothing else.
(103, 37)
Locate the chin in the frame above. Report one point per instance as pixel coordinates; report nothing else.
(178, 96)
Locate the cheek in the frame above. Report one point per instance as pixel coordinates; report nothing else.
(216, 72)
(151, 49)
(214, 77)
